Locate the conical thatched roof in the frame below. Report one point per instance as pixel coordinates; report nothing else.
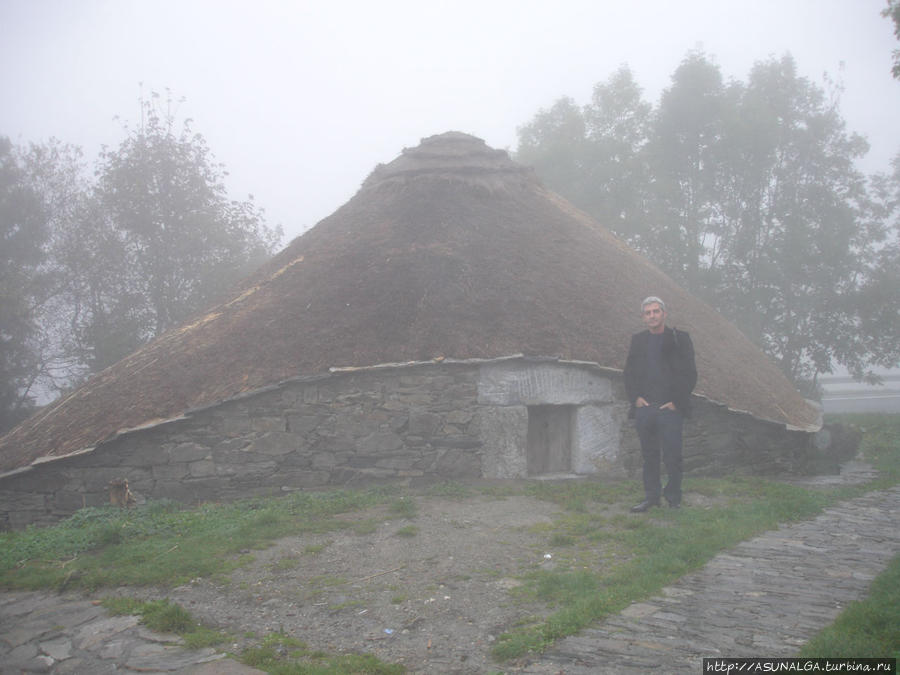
(452, 250)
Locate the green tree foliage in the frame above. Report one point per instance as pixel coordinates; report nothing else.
(880, 325)
(93, 267)
(55, 173)
(554, 143)
(593, 155)
(617, 121)
(684, 157)
(23, 235)
(892, 11)
(797, 232)
(159, 239)
(747, 194)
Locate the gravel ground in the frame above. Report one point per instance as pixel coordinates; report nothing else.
(432, 592)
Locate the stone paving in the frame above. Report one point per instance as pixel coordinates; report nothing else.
(50, 633)
(765, 597)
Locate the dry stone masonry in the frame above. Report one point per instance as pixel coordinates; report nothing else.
(507, 418)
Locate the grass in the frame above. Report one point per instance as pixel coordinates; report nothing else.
(653, 552)
(450, 490)
(315, 549)
(870, 627)
(285, 564)
(404, 507)
(407, 531)
(881, 445)
(604, 559)
(282, 655)
(163, 616)
(164, 545)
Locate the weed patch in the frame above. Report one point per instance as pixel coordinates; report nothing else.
(163, 616)
(450, 490)
(880, 445)
(160, 544)
(285, 564)
(282, 655)
(405, 507)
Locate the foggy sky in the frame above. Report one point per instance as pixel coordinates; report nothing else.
(300, 100)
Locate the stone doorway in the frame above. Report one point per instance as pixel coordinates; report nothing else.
(549, 442)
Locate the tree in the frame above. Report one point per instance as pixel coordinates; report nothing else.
(879, 325)
(554, 143)
(748, 194)
(159, 239)
(685, 158)
(57, 175)
(617, 120)
(892, 11)
(91, 267)
(593, 155)
(798, 233)
(23, 234)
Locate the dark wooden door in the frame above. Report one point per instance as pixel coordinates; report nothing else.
(549, 439)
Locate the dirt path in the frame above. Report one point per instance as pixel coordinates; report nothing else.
(433, 592)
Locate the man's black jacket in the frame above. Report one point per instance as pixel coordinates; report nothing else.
(677, 358)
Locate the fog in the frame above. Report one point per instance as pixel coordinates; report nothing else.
(300, 100)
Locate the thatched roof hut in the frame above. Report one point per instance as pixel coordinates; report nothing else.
(451, 251)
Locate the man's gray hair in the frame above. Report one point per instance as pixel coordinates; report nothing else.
(651, 300)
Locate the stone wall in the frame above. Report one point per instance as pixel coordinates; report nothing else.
(720, 442)
(341, 430)
(508, 389)
(405, 424)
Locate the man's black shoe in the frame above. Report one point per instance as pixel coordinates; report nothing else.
(674, 505)
(643, 506)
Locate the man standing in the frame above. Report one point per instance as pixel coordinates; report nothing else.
(660, 375)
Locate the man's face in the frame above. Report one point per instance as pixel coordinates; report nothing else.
(654, 317)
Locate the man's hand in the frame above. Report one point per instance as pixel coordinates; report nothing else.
(641, 402)
(668, 406)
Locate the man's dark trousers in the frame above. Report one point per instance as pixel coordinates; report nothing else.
(660, 433)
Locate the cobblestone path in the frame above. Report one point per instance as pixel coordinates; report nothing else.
(764, 598)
